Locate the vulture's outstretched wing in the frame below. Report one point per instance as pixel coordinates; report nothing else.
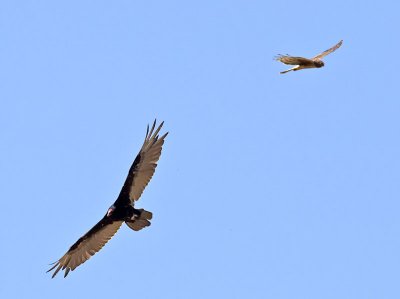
(287, 59)
(86, 246)
(330, 50)
(143, 167)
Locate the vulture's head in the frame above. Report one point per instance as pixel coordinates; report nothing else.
(110, 210)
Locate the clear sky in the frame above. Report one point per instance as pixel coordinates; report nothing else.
(269, 185)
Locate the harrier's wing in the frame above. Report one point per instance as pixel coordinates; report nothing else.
(87, 246)
(323, 54)
(143, 167)
(287, 59)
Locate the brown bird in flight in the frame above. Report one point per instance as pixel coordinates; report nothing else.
(122, 210)
(305, 63)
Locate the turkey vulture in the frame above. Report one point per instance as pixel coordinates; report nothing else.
(122, 210)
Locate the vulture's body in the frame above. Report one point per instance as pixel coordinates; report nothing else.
(122, 210)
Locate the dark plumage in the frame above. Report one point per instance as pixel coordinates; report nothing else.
(122, 210)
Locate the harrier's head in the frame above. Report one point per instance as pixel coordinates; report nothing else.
(319, 63)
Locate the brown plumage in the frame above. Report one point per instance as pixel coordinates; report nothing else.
(305, 63)
(122, 210)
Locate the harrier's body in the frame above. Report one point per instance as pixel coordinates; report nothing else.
(306, 63)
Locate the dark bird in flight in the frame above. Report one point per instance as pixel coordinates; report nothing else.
(305, 63)
(122, 210)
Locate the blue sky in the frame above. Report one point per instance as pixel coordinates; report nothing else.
(269, 185)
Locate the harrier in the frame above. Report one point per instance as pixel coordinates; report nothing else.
(305, 63)
(122, 210)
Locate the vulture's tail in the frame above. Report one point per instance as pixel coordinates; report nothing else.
(141, 221)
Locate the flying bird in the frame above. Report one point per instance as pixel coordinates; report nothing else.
(122, 210)
(305, 63)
